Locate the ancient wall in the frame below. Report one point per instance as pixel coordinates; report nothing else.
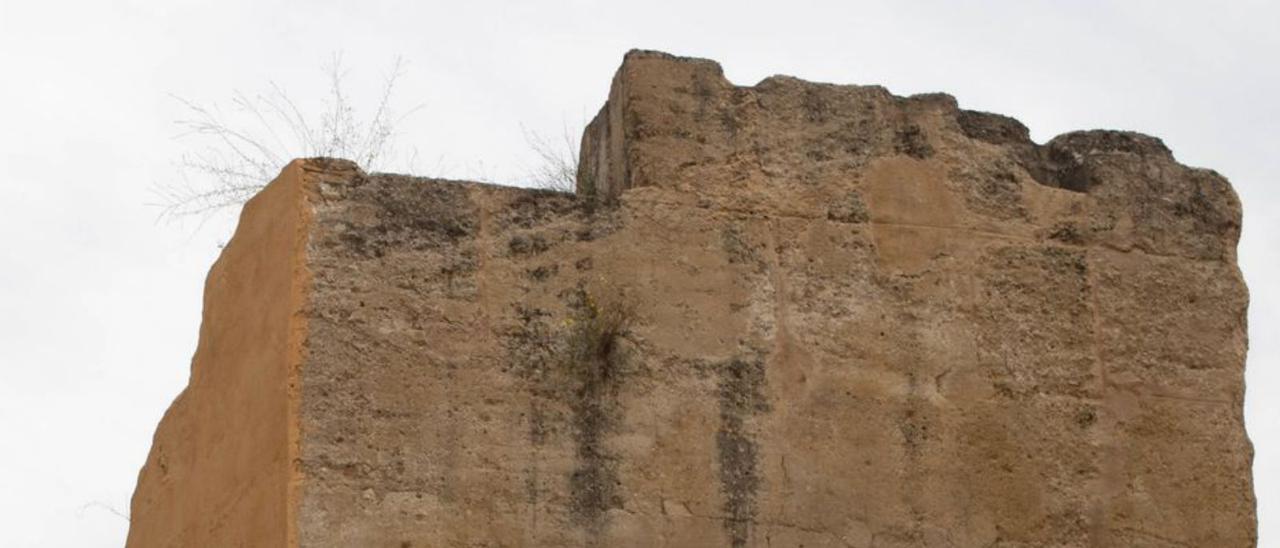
(220, 470)
(781, 315)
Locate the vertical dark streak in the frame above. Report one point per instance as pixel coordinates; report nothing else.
(740, 394)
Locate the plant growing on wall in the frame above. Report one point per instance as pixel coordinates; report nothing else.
(557, 159)
(235, 152)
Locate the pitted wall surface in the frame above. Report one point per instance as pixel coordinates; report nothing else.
(779, 315)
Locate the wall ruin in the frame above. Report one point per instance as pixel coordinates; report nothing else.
(791, 314)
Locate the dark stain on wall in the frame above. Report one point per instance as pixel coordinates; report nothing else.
(741, 397)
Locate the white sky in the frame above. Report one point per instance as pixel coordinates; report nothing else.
(100, 305)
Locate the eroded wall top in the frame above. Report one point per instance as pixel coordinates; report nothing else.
(787, 314)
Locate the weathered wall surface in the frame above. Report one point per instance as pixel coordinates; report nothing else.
(781, 315)
(220, 471)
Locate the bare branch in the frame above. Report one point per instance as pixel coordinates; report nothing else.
(557, 167)
(104, 506)
(234, 157)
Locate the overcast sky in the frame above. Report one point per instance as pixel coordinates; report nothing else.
(100, 304)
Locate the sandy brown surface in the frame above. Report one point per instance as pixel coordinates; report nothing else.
(220, 471)
(792, 314)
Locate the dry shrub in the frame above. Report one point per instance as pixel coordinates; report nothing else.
(236, 151)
